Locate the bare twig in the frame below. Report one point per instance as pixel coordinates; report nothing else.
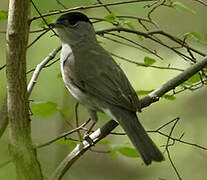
(109, 11)
(144, 65)
(108, 127)
(140, 20)
(150, 34)
(39, 67)
(167, 149)
(37, 38)
(81, 148)
(137, 44)
(154, 6)
(61, 4)
(42, 17)
(201, 2)
(88, 7)
(46, 66)
(2, 67)
(63, 135)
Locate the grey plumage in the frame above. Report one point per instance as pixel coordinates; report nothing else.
(96, 81)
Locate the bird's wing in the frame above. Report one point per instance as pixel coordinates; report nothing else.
(97, 74)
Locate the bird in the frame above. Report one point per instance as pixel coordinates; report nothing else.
(94, 78)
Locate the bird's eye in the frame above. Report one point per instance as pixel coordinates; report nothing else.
(72, 22)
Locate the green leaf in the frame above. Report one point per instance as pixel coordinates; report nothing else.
(149, 61)
(3, 15)
(72, 144)
(140, 37)
(64, 111)
(195, 78)
(59, 75)
(170, 1)
(121, 21)
(194, 35)
(104, 142)
(182, 6)
(113, 154)
(169, 97)
(111, 18)
(44, 108)
(130, 25)
(128, 151)
(144, 92)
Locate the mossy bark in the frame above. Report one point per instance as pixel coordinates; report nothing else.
(21, 148)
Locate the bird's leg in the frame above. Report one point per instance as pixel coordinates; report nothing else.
(94, 118)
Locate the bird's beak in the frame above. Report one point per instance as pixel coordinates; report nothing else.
(55, 25)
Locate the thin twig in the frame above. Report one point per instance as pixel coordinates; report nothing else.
(39, 68)
(144, 65)
(37, 38)
(109, 11)
(62, 135)
(168, 152)
(42, 17)
(81, 148)
(135, 43)
(61, 4)
(88, 7)
(46, 66)
(202, 2)
(173, 83)
(149, 36)
(77, 120)
(2, 67)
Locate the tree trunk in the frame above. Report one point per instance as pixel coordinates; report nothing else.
(21, 148)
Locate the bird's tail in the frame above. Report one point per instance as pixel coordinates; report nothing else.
(138, 136)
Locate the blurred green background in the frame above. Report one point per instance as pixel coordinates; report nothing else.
(189, 106)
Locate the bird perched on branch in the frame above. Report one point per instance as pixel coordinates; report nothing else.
(93, 77)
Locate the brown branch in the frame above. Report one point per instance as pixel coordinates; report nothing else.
(201, 2)
(88, 7)
(144, 65)
(63, 135)
(107, 9)
(81, 148)
(149, 36)
(137, 44)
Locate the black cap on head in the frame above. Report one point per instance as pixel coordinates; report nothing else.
(73, 17)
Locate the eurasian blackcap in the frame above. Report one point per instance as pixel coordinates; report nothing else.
(98, 83)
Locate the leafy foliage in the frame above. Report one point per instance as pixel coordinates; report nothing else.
(176, 4)
(194, 35)
(71, 143)
(44, 108)
(3, 15)
(195, 78)
(149, 61)
(144, 92)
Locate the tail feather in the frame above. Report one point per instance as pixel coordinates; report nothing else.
(136, 133)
